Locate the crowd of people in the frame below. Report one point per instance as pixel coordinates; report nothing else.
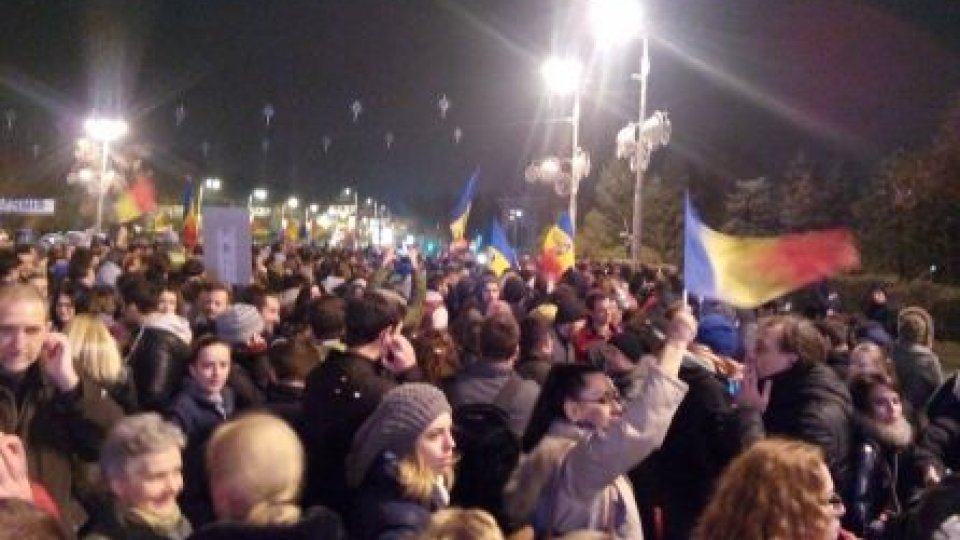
(364, 394)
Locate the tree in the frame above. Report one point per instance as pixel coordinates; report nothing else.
(750, 208)
(601, 234)
(801, 206)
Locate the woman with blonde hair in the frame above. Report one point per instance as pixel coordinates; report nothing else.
(401, 464)
(255, 467)
(778, 489)
(96, 357)
(462, 524)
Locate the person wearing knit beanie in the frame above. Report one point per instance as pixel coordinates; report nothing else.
(395, 426)
(239, 323)
(401, 463)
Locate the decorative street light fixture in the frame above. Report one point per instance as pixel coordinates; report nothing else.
(619, 21)
(105, 130)
(563, 76)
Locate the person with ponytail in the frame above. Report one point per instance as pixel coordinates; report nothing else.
(255, 468)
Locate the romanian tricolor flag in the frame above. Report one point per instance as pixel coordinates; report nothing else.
(191, 222)
(501, 254)
(558, 254)
(461, 213)
(747, 272)
(138, 199)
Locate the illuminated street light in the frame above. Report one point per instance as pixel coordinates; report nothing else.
(314, 208)
(615, 22)
(293, 203)
(105, 130)
(564, 77)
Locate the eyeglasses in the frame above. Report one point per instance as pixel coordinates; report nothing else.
(608, 398)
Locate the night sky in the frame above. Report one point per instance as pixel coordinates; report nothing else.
(747, 83)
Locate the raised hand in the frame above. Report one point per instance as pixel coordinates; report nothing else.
(56, 361)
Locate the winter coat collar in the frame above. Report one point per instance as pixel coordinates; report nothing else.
(170, 322)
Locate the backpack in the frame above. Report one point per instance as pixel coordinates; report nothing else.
(489, 452)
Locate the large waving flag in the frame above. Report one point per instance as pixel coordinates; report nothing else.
(461, 213)
(138, 199)
(191, 223)
(501, 254)
(558, 253)
(750, 271)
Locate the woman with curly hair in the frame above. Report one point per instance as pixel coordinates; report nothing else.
(779, 489)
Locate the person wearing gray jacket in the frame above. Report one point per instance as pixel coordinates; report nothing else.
(582, 440)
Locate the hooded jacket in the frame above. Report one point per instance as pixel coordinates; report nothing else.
(158, 359)
(575, 478)
(918, 367)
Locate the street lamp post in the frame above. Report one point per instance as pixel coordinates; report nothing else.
(563, 77)
(637, 229)
(106, 131)
(258, 194)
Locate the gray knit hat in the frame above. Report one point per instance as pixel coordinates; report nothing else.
(403, 414)
(238, 323)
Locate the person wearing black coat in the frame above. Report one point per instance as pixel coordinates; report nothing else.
(160, 349)
(61, 418)
(345, 389)
(884, 471)
(938, 448)
(788, 390)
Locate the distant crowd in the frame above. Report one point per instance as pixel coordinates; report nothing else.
(372, 395)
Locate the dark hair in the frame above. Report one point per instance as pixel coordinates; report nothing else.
(143, 294)
(534, 332)
(103, 300)
(80, 263)
(862, 385)
(499, 337)
(212, 286)
(564, 381)
(24, 521)
(366, 317)
(293, 359)
(207, 340)
(595, 296)
(327, 317)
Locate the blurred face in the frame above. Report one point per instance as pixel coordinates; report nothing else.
(879, 297)
(435, 445)
(23, 328)
(65, 309)
(767, 357)
(167, 304)
(832, 505)
(597, 405)
(863, 362)
(153, 483)
(682, 327)
(270, 312)
(602, 313)
(491, 291)
(215, 303)
(212, 368)
(885, 405)
(41, 285)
